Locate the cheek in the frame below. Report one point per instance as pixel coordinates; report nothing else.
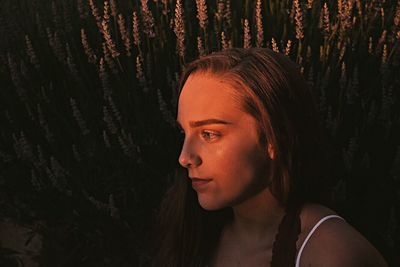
(252, 167)
(238, 174)
(241, 162)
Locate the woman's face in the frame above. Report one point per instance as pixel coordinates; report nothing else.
(221, 144)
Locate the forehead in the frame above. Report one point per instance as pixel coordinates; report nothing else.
(206, 95)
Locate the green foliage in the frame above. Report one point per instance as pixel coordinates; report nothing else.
(88, 99)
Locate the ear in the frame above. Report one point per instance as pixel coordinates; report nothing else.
(271, 152)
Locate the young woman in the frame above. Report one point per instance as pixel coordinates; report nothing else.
(253, 168)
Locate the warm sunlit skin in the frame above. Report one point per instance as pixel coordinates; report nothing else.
(230, 155)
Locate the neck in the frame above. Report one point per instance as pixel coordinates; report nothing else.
(258, 218)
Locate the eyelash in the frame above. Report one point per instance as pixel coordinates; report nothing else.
(203, 133)
(209, 133)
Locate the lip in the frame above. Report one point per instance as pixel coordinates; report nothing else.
(199, 184)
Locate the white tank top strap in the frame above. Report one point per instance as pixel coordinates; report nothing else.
(311, 233)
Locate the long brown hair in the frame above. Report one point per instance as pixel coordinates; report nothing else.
(273, 91)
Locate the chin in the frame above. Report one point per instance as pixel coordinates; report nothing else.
(210, 205)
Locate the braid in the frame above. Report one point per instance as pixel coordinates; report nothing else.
(284, 247)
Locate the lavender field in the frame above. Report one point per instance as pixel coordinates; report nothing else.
(88, 95)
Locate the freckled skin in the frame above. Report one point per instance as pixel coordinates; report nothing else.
(229, 154)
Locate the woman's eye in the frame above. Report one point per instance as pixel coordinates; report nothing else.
(209, 135)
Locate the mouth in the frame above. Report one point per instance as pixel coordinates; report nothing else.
(199, 184)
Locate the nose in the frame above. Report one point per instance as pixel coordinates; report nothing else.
(189, 157)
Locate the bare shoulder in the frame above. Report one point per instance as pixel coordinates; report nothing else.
(334, 242)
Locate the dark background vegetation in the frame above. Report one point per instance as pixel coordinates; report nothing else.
(87, 139)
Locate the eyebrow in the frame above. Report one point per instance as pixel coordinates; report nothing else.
(194, 124)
